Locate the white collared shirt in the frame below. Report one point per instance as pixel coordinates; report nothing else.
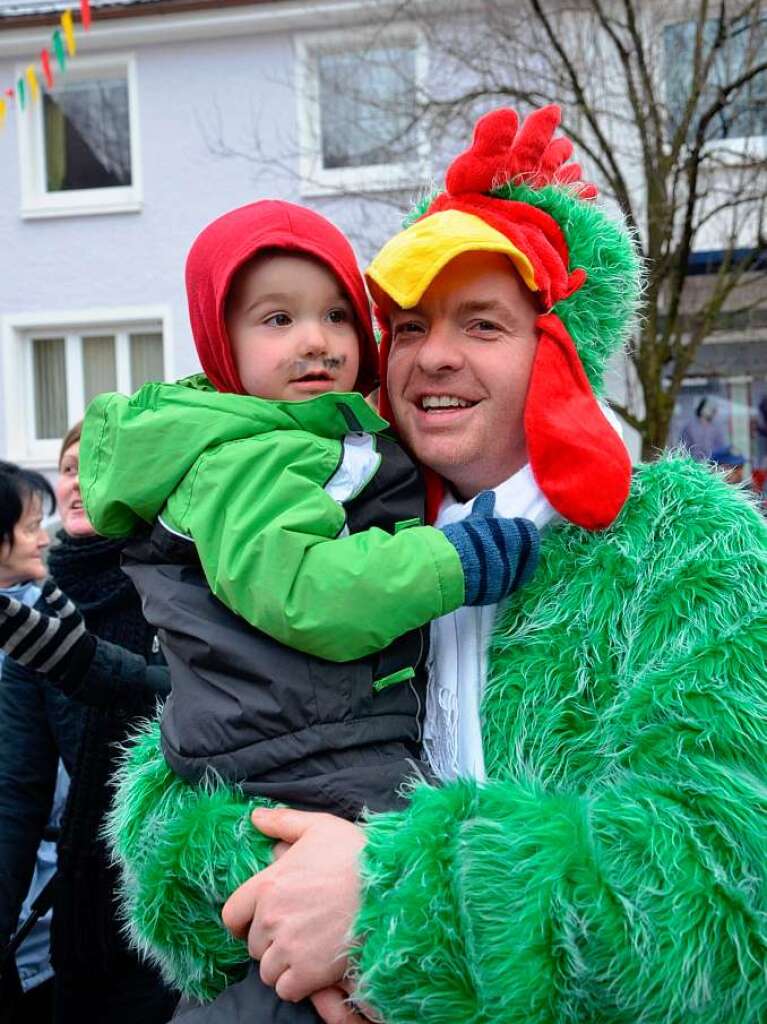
(458, 654)
(457, 663)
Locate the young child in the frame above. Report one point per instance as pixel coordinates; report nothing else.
(286, 570)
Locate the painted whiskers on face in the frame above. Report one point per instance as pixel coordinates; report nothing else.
(325, 368)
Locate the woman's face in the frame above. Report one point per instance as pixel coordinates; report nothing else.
(23, 560)
(73, 516)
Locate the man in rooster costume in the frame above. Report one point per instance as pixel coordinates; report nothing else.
(595, 848)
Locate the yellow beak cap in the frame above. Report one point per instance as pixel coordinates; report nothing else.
(410, 261)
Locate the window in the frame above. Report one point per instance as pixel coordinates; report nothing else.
(63, 367)
(745, 114)
(79, 147)
(358, 113)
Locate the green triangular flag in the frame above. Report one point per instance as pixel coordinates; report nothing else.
(58, 49)
(21, 93)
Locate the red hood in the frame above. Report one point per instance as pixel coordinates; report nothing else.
(221, 249)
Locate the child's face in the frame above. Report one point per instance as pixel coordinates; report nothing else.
(291, 328)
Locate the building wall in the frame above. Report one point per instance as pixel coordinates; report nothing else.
(240, 86)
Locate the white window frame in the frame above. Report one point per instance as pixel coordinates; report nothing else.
(732, 150)
(317, 180)
(16, 334)
(36, 201)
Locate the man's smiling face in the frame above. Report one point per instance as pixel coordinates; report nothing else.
(459, 369)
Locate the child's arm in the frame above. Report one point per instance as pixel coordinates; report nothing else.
(267, 536)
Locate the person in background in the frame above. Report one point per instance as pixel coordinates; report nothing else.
(104, 676)
(703, 434)
(731, 462)
(26, 989)
(760, 431)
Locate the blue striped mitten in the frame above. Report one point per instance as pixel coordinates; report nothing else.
(498, 555)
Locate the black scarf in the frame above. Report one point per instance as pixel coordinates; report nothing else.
(85, 928)
(88, 570)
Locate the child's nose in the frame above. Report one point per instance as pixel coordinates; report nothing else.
(313, 341)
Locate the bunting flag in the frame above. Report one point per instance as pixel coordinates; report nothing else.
(58, 49)
(69, 32)
(45, 64)
(34, 85)
(63, 46)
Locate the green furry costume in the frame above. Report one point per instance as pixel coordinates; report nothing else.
(613, 869)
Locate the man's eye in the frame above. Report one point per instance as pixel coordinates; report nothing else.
(406, 327)
(484, 326)
(278, 320)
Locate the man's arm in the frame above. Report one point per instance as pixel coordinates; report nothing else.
(267, 533)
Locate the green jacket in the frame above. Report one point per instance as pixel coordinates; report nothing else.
(250, 481)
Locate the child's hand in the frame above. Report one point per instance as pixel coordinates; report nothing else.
(497, 555)
(333, 1006)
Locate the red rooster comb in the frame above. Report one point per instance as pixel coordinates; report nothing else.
(501, 152)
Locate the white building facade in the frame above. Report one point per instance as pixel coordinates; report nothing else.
(106, 180)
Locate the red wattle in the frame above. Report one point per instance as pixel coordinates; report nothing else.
(578, 460)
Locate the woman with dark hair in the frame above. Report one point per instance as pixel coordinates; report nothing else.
(22, 538)
(26, 989)
(101, 673)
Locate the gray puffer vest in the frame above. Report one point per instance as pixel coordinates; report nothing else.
(282, 724)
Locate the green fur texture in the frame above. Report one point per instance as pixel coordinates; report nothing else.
(601, 314)
(613, 869)
(182, 851)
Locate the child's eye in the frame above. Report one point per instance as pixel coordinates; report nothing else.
(278, 320)
(338, 316)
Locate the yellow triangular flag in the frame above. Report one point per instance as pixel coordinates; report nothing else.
(34, 85)
(2, 112)
(69, 32)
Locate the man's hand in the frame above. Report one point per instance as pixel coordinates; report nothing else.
(297, 913)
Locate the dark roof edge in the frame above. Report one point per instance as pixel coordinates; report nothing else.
(121, 11)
